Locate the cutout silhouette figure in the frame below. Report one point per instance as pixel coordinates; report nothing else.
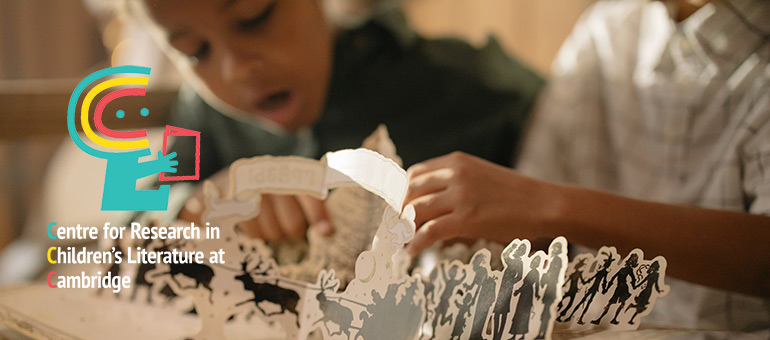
(550, 282)
(573, 282)
(528, 290)
(408, 313)
(512, 274)
(430, 285)
(144, 268)
(643, 299)
(333, 311)
(463, 311)
(622, 290)
(430, 290)
(387, 319)
(485, 293)
(597, 281)
(287, 299)
(451, 281)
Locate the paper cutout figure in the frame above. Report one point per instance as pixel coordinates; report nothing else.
(622, 289)
(430, 292)
(597, 281)
(452, 278)
(552, 282)
(527, 292)
(628, 288)
(463, 313)
(491, 306)
(142, 289)
(355, 213)
(642, 301)
(140, 279)
(287, 299)
(391, 317)
(512, 273)
(573, 280)
(332, 309)
(200, 273)
(485, 292)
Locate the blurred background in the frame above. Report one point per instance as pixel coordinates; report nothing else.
(46, 47)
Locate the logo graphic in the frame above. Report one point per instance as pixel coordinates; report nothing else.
(123, 149)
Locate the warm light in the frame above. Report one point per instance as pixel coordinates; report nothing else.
(121, 50)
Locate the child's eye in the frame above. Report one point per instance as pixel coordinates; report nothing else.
(200, 53)
(256, 21)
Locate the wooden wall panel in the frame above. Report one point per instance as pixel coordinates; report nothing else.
(533, 30)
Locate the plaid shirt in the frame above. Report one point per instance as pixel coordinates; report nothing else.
(645, 107)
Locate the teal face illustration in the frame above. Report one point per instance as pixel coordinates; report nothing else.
(125, 148)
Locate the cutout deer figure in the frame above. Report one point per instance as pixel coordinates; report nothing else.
(201, 273)
(285, 298)
(333, 311)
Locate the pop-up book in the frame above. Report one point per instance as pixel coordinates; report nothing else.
(357, 284)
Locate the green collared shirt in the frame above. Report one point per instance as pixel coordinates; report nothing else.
(435, 97)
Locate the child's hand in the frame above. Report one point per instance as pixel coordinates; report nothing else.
(462, 196)
(165, 163)
(280, 216)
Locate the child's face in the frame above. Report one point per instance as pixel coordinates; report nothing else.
(271, 58)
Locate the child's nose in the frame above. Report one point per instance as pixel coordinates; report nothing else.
(240, 66)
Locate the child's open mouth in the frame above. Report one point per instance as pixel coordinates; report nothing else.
(278, 107)
(274, 101)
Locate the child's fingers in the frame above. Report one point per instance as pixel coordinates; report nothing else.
(438, 229)
(428, 183)
(315, 213)
(290, 216)
(268, 221)
(250, 228)
(429, 165)
(430, 207)
(287, 216)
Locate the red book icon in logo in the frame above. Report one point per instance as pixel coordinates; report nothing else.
(173, 131)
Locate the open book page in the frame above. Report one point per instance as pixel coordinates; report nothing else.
(39, 312)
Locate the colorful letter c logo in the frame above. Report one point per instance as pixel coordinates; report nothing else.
(50, 260)
(49, 279)
(51, 236)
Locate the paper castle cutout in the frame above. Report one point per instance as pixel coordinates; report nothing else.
(381, 299)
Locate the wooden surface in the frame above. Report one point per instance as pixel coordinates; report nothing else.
(30, 109)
